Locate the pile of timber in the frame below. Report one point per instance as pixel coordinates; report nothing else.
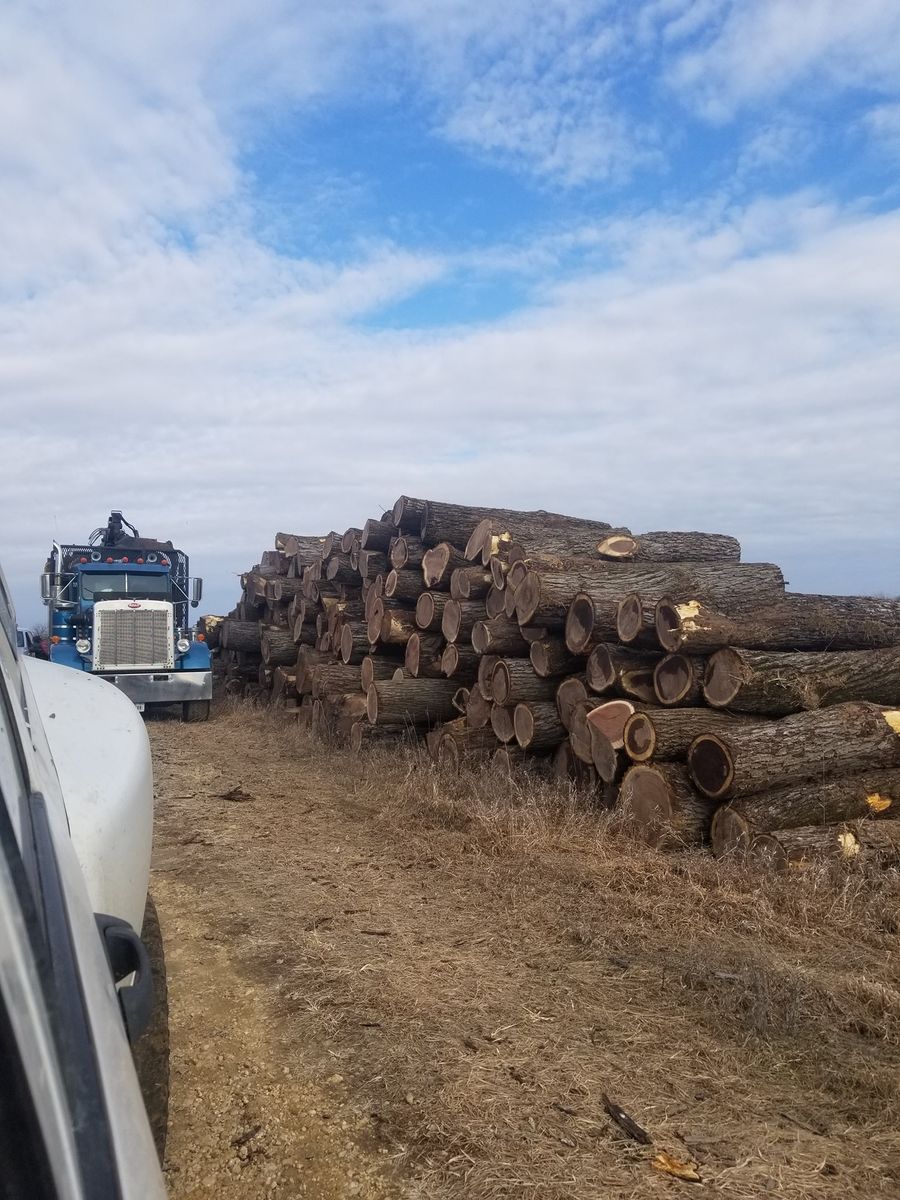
(659, 672)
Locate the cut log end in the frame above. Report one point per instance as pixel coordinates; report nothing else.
(710, 765)
(601, 671)
(731, 834)
(372, 704)
(610, 718)
(503, 723)
(668, 625)
(648, 802)
(639, 737)
(579, 623)
(618, 546)
(523, 725)
(724, 676)
(673, 678)
(629, 618)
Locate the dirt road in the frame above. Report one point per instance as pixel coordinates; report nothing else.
(386, 984)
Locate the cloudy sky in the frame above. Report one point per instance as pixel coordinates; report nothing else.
(268, 265)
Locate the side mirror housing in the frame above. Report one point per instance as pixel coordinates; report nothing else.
(196, 592)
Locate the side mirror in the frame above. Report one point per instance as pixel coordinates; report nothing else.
(196, 592)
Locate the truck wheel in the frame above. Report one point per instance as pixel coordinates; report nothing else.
(195, 710)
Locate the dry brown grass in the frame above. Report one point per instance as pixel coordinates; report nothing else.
(528, 957)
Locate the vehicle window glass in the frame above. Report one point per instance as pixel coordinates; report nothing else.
(119, 584)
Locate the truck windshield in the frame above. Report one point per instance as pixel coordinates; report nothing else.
(119, 584)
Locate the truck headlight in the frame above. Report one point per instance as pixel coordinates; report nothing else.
(182, 645)
(83, 645)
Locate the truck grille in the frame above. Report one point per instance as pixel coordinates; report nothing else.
(132, 638)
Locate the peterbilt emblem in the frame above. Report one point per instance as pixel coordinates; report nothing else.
(134, 604)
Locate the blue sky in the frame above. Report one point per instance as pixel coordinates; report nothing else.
(269, 265)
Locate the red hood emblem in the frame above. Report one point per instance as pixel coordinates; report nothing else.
(134, 604)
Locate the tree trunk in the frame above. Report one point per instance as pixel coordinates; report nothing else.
(459, 661)
(407, 552)
(450, 522)
(438, 565)
(537, 726)
(852, 797)
(240, 635)
(666, 733)
(469, 583)
(659, 805)
(377, 535)
(459, 618)
(551, 657)
(780, 683)
(430, 609)
(537, 533)
(613, 668)
(502, 723)
(513, 680)
(499, 636)
(670, 547)
(354, 642)
(423, 656)
(678, 679)
(403, 585)
(798, 622)
(410, 702)
(278, 647)
(840, 740)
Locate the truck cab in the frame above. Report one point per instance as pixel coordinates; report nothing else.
(119, 608)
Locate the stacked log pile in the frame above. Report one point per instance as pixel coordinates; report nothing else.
(659, 672)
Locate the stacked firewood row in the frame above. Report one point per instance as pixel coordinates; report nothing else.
(662, 674)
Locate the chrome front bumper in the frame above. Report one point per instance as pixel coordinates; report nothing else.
(162, 687)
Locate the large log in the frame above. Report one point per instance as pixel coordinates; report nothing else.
(377, 535)
(430, 609)
(439, 564)
(459, 618)
(798, 622)
(498, 636)
(670, 547)
(535, 532)
(411, 702)
(354, 642)
(423, 655)
(666, 733)
(375, 668)
(537, 726)
(277, 647)
(450, 522)
(678, 679)
(240, 635)
(852, 797)
(839, 740)
(408, 513)
(551, 657)
(513, 680)
(469, 583)
(875, 841)
(397, 626)
(659, 805)
(459, 661)
(764, 681)
(403, 585)
(407, 552)
(330, 678)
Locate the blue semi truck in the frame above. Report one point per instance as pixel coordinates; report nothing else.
(119, 608)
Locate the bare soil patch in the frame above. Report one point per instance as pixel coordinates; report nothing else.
(421, 985)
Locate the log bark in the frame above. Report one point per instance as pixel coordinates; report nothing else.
(839, 740)
(459, 618)
(407, 552)
(666, 733)
(513, 681)
(355, 644)
(330, 678)
(498, 636)
(240, 635)
(469, 583)
(430, 609)
(438, 565)
(377, 535)
(277, 647)
(459, 661)
(397, 626)
(413, 702)
(784, 849)
(403, 585)
(873, 794)
(450, 522)
(459, 744)
(537, 726)
(798, 622)
(670, 547)
(763, 681)
(407, 514)
(550, 657)
(536, 532)
(678, 679)
(502, 723)
(370, 564)
(619, 669)
(660, 806)
(423, 656)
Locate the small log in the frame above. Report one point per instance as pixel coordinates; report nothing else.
(567, 766)
(370, 564)
(430, 610)
(407, 514)
(277, 647)
(459, 618)
(330, 678)
(499, 569)
(351, 540)
(377, 535)
(873, 794)
(485, 674)
(341, 569)
(403, 585)
(495, 603)
(635, 622)
(364, 736)
(498, 636)
(763, 681)
(410, 702)
(670, 547)
(613, 668)
(459, 661)
(839, 740)
(354, 642)
(375, 668)
(666, 733)
(459, 744)
(423, 656)
(397, 626)
(407, 552)
(469, 583)
(550, 657)
(678, 679)
(513, 680)
(783, 849)
(537, 726)
(660, 806)
(240, 635)
(502, 723)
(438, 565)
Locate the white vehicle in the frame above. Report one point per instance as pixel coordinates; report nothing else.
(76, 809)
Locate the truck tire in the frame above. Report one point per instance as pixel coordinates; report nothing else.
(195, 710)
